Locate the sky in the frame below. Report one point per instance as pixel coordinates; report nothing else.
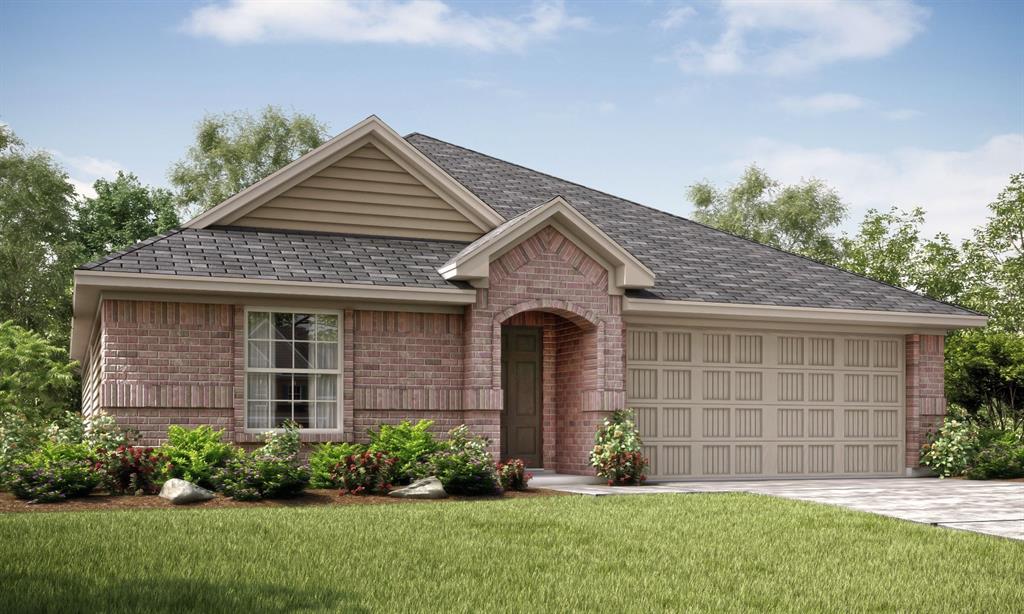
(891, 103)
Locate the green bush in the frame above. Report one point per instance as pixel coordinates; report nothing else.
(54, 472)
(411, 444)
(979, 453)
(195, 454)
(949, 451)
(617, 454)
(367, 473)
(465, 465)
(1000, 455)
(37, 380)
(270, 472)
(324, 458)
(19, 435)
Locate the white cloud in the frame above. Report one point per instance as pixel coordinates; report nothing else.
(822, 103)
(606, 107)
(675, 17)
(413, 22)
(83, 171)
(792, 37)
(953, 186)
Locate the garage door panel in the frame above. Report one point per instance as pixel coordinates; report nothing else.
(720, 404)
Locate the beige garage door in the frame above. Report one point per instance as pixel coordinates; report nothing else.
(750, 404)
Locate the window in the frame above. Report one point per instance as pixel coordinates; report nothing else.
(293, 369)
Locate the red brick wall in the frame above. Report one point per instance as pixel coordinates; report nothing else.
(926, 401)
(166, 363)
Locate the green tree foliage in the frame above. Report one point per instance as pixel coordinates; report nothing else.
(797, 218)
(37, 381)
(985, 376)
(235, 150)
(37, 248)
(123, 213)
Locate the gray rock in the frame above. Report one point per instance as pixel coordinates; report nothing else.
(427, 488)
(180, 491)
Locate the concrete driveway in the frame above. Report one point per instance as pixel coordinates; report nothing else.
(991, 507)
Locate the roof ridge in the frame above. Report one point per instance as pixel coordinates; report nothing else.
(688, 220)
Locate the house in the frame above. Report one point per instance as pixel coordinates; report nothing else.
(381, 278)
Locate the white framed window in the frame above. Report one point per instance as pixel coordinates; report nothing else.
(292, 368)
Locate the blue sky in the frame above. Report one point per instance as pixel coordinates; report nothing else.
(890, 102)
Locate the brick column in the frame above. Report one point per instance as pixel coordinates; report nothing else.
(926, 401)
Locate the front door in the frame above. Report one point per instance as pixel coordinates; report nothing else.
(521, 358)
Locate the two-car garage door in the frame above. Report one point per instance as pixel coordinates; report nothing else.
(739, 404)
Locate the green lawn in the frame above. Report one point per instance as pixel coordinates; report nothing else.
(637, 553)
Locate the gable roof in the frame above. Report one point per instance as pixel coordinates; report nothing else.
(370, 131)
(690, 261)
(472, 263)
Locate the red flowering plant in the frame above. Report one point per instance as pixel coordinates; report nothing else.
(617, 454)
(512, 474)
(134, 470)
(367, 473)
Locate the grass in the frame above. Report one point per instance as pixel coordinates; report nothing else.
(638, 553)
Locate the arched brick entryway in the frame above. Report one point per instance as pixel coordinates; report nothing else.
(548, 282)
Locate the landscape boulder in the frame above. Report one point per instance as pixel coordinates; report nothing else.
(180, 491)
(427, 488)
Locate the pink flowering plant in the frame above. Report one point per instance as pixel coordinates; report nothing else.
(617, 455)
(513, 475)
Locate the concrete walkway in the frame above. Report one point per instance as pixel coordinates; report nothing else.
(990, 507)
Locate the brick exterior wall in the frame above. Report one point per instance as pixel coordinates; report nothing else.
(926, 401)
(165, 363)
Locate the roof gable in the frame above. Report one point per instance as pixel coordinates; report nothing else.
(473, 263)
(367, 180)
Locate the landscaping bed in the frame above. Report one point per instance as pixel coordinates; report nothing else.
(310, 497)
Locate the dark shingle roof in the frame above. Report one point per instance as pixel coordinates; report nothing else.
(691, 261)
(287, 256)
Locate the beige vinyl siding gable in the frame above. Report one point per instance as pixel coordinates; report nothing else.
(366, 192)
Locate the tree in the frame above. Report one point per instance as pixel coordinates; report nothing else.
(37, 381)
(985, 376)
(796, 218)
(37, 248)
(235, 150)
(123, 212)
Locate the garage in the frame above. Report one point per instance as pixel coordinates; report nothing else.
(740, 404)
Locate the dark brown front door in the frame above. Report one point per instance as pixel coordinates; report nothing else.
(521, 353)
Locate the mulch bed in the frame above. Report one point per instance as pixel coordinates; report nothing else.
(100, 501)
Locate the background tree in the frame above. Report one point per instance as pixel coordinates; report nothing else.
(235, 150)
(123, 212)
(37, 248)
(37, 381)
(797, 218)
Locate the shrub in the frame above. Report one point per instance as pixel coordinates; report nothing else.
(465, 465)
(367, 473)
(325, 458)
(134, 470)
(54, 472)
(195, 454)
(512, 474)
(270, 472)
(617, 455)
(411, 444)
(948, 452)
(37, 380)
(1000, 455)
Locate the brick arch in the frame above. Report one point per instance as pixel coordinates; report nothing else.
(584, 318)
